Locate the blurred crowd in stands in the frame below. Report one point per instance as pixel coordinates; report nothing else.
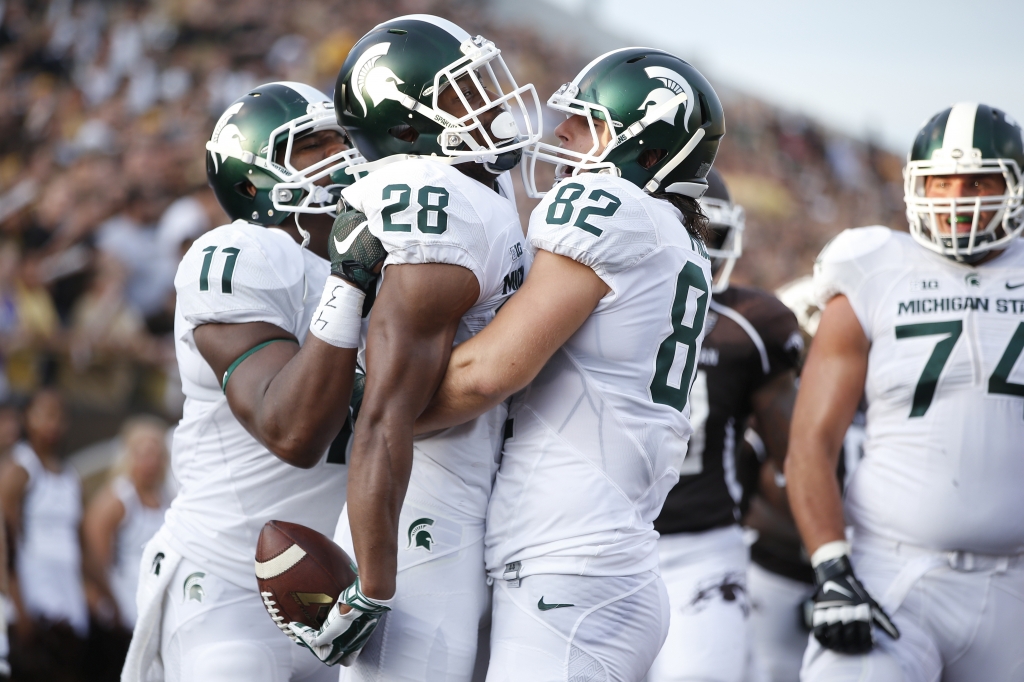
(105, 109)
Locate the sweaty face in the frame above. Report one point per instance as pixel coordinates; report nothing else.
(963, 186)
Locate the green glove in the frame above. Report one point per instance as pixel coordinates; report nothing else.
(354, 252)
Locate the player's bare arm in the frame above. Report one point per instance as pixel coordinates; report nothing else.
(408, 345)
(557, 297)
(831, 385)
(773, 409)
(282, 396)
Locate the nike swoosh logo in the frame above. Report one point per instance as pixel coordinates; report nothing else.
(347, 243)
(1014, 286)
(547, 607)
(831, 585)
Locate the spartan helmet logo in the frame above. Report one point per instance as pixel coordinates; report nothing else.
(672, 85)
(193, 587)
(380, 82)
(419, 534)
(227, 139)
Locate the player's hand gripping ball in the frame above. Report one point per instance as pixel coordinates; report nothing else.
(300, 574)
(348, 627)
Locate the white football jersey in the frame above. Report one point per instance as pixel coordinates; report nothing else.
(597, 439)
(230, 484)
(944, 454)
(428, 212)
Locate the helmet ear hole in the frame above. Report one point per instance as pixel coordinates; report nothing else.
(404, 132)
(246, 189)
(649, 157)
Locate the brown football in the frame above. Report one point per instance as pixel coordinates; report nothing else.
(300, 573)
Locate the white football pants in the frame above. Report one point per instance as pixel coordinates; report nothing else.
(777, 631)
(570, 628)
(216, 631)
(960, 616)
(708, 636)
(432, 630)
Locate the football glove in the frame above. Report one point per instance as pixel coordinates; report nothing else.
(354, 252)
(844, 611)
(343, 634)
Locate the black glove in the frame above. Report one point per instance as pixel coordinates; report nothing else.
(844, 611)
(354, 252)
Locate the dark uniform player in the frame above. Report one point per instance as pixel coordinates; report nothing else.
(747, 368)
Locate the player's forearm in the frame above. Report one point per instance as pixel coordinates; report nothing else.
(813, 491)
(305, 405)
(466, 392)
(379, 474)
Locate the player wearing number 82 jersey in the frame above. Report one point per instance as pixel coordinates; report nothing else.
(607, 331)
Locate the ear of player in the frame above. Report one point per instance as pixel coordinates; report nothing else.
(844, 611)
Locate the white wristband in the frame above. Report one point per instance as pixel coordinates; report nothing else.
(338, 319)
(829, 551)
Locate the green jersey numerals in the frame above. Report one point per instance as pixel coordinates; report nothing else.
(562, 208)
(226, 274)
(431, 216)
(998, 384)
(677, 356)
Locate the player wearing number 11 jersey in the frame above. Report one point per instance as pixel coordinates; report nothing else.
(608, 327)
(932, 333)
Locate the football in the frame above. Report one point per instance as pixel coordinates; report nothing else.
(300, 573)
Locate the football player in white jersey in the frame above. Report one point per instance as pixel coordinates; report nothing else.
(246, 293)
(608, 328)
(431, 108)
(930, 328)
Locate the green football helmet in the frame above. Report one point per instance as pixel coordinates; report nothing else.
(246, 139)
(967, 138)
(386, 96)
(652, 100)
(726, 222)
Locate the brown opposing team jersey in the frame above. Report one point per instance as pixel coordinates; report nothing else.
(750, 338)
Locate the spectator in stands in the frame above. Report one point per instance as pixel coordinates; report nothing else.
(119, 520)
(126, 513)
(41, 501)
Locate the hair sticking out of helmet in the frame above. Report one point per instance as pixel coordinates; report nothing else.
(726, 222)
(647, 99)
(419, 85)
(963, 182)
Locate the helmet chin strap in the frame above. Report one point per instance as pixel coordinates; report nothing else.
(302, 232)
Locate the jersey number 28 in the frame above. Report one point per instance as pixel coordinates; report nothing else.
(677, 356)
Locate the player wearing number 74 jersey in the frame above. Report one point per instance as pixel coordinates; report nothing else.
(608, 327)
(932, 333)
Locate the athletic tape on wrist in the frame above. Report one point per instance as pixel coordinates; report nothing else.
(829, 551)
(338, 319)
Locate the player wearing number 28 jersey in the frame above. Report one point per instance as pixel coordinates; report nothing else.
(608, 326)
(931, 325)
